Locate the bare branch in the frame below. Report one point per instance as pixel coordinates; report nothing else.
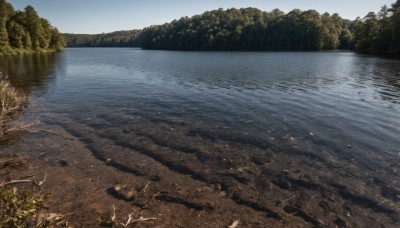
(147, 185)
(141, 219)
(15, 182)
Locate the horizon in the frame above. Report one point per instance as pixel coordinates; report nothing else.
(103, 16)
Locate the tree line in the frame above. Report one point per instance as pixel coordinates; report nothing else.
(114, 39)
(25, 32)
(379, 32)
(231, 29)
(253, 29)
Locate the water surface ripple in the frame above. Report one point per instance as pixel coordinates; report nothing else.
(314, 135)
(342, 98)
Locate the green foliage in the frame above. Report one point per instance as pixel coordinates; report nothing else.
(114, 39)
(20, 208)
(5, 11)
(251, 29)
(24, 31)
(379, 33)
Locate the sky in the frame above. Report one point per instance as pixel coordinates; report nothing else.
(102, 16)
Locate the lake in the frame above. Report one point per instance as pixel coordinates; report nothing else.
(207, 114)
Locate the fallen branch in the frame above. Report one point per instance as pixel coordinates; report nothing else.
(141, 219)
(15, 182)
(40, 183)
(130, 220)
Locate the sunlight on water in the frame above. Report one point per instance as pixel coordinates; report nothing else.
(326, 121)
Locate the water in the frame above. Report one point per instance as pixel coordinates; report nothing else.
(335, 99)
(313, 135)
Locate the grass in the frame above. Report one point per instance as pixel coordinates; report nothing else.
(10, 101)
(26, 208)
(20, 208)
(17, 208)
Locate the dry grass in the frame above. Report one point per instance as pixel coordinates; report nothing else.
(22, 202)
(26, 208)
(10, 101)
(20, 208)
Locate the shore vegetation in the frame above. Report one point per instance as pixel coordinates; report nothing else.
(10, 99)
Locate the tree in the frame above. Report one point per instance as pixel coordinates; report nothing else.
(129, 38)
(22, 31)
(16, 34)
(395, 20)
(5, 12)
(367, 33)
(379, 33)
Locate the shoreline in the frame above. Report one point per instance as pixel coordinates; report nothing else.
(29, 52)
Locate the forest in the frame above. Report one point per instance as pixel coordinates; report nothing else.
(253, 29)
(379, 33)
(230, 29)
(26, 32)
(115, 39)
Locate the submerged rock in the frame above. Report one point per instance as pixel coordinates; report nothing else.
(63, 163)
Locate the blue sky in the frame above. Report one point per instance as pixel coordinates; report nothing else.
(97, 16)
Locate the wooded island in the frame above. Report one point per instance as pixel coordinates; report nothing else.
(253, 29)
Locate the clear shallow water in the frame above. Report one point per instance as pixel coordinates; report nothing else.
(276, 137)
(342, 98)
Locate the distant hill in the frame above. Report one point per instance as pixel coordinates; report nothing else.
(129, 38)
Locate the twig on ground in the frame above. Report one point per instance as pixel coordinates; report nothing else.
(140, 220)
(40, 183)
(113, 217)
(147, 185)
(131, 219)
(152, 198)
(234, 224)
(15, 182)
(51, 217)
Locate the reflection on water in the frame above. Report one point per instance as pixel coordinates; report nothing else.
(30, 72)
(329, 119)
(340, 97)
